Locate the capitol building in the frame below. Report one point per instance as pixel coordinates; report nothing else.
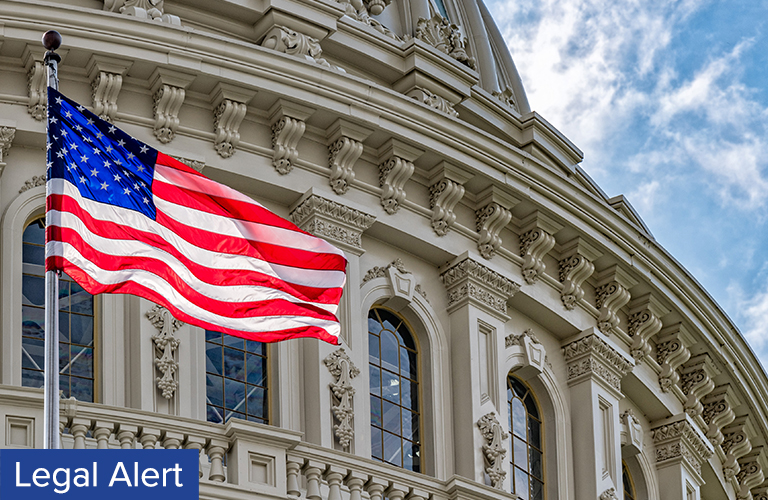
(508, 331)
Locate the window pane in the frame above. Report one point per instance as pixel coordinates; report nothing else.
(257, 369)
(534, 432)
(213, 359)
(392, 418)
(519, 418)
(81, 389)
(408, 364)
(389, 351)
(521, 484)
(373, 347)
(256, 347)
(32, 322)
(374, 326)
(30, 378)
(34, 233)
(32, 353)
(376, 411)
(82, 361)
(410, 394)
(214, 390)
(536, 465)
(234, 364)
(410, 425)
(232, 341)
(376, 450)
(530, 405)
(32, 290)
(521, 454)
(214, 415)
(392, 449)
(390, 386)
(410, 457)
(257, 401)
(537, 490)
(211, 336)
(234, 394)
(81, 329)
(375, 374)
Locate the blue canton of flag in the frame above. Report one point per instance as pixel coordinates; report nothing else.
(106, 164)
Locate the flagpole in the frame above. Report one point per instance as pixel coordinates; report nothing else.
(51, 42)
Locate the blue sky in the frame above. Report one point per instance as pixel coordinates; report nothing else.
(668, 99)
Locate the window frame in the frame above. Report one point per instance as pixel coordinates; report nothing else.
(542, 436)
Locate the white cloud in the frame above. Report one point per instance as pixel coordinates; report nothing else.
(644, 197)
(752, 312)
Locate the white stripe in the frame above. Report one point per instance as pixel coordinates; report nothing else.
(133, 248)
(131, 218)
(160, 286)
(239, 228)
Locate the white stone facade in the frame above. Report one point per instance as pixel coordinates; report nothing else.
(405, 139)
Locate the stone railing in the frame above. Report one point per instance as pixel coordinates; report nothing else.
(238, 460)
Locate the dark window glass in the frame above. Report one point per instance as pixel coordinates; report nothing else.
(393, 358)
(235, 378)
(629, 486)
(525, 441)
(76, 323)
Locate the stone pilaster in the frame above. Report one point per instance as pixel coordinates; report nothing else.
(681, 450)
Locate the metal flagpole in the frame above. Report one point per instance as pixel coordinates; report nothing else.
(51, 42)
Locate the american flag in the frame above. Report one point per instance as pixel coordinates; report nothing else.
(125, 218)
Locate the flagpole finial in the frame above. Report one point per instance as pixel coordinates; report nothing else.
(51, 40)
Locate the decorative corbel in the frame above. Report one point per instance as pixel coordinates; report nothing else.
(644, 320)
(493, 448)
(492, 214)
(142, 9)
(7, 135)
(168, 89)
(576, 265)
(718, 412)
(291, 42)
(395, 168)
(37, 83)
(446, 188)
(433, 100)
(536, 240)
(229, 108)
(737, 442)
(750, 473)
(106, 76)
(631, 434)
(671, 353)
(343, 370)
(534, 355)
(696, 382)
(469, 282)
(287, 122)
(165, 349)
(612, 293)
(345, 145)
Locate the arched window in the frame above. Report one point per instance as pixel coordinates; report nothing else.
(526, 441)
(76, 315)
(235, 378)
(629, 486)
(394, 372)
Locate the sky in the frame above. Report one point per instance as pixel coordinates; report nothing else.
(668, 100)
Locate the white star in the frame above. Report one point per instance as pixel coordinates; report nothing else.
(136, 186)
(144, 149)
(81, 108)
(73, 146)
(106, 163)
(78, 128)
(112, 129)
(145, 200)
(87, 139)
(118, 162)
(94, 172)
(47, 146)
(104, 185)
(55, 137)
(90, 121)
(54, 119)
(131, 156)
(140, 168)
(82, 180)
(96, 151)
(48, 165)
(64, 133)
(68, 114)
(58, 100)
(71, 166)
(60, 154)
(83, 159)
(109, 149)
(126, 191)
(121, 143)
(99, 135)
(117, 177)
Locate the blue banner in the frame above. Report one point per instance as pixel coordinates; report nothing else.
(99, 474)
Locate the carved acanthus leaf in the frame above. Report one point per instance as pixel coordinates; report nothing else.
(696, 382)
(33, 182)
(286, 133)
(680, 440)
(493, 448)
(293, 43)
(468, 280)
(443, 197)
(433, 101)
(333, 221)
(507, 97)
(343, 370)
(142, 9)
(592, 356)
(343, 154)
(534, 245)
(609, 494)
(490, 220)
(609, 299)
(513, 340)
(445, 37)
(165, 349)
(7, 134)
(380, 272)
(227, 118)
(393, 174)
(671, 353)
(574, 270)
(167, 103)
(718, 412)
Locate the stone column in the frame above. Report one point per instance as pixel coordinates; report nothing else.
(595, 369)
(477, 308)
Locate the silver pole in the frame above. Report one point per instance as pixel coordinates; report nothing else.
(51, 41)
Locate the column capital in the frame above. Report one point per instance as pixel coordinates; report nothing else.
(678, 441)
(591, 356)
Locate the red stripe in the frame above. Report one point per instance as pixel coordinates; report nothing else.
(267, 307)
(114, 231)
(94, 287)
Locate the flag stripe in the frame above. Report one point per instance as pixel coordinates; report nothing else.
(266, 330)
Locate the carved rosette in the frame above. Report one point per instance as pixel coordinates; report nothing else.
(671, 353)
(343, 154)
(393, 174)
(167, 103)
(493, 448)
(337, 223)
(468, 281)
(445, 37)
(165, 349)
(33, 182)
(443, 197)
(609, 299)
(7, 135)
(591, 357)
(750, 473)
(718, 412)
(433, 101)
(574, 270)
(678, 441)
(696, 382)
(37, 86)
(736, 444)
(142, 9)
(490, 220)
(105, 89)
(343, 370)
(534, 245)
(227, 118)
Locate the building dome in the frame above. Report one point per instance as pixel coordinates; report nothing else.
(507, 330)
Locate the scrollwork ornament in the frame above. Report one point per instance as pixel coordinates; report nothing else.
(343, 154)
(493, 448)
(165, 349)
(444, 195)
(343, 370)
(609, 299)
(490, 220)
(534, 245)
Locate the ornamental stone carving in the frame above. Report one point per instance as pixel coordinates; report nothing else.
(678, 440)
(229, 108)
(35, 181)
(37, 87)
(165, 349)
(401, 282)
(467, 281)
(341, 225)
(291, 42)
(718, 412)
(575, 267)
(445, 37)
(345, 148)
(696, 382)
(360, 10)
(644, 322)
(609, 494)
(142, 9)
(591, 357)
(7, 134)
(507, 97)
(536, 241)
(196, 165)
(736, 444)
(287, 121)
(493, 448)
(106, 75)
(433, 101)
(492, 214)
(168, 91)
(671, 353)
(534, 357)
(631, 434)
(395, 169)
(343, 370)
(445, 191)
(612, 293)
(750, 473)
(381, 272)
